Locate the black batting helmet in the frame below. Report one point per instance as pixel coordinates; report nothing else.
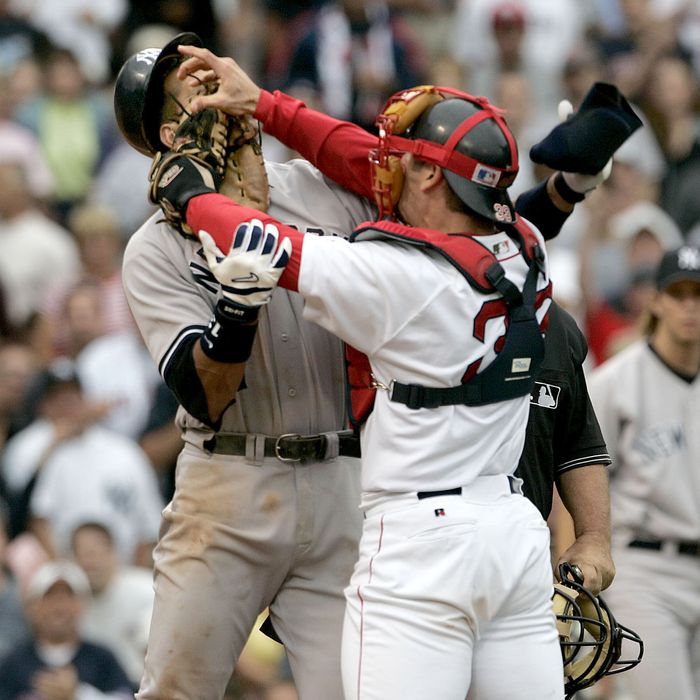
(481, 153)
(138, 93)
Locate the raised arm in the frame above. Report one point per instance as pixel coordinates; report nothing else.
(338, 149)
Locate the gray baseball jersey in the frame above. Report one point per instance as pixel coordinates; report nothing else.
(172, 294)
(245, 533)
(650, 417)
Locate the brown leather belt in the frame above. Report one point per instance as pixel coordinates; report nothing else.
(287, 448)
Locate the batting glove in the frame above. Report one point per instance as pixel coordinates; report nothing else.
(579, 183)
(251, 269)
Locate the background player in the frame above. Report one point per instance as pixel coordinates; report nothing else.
(648, 400)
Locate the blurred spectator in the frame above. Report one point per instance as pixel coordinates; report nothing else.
(113, 368)
(583, 67)
(354, 57)
(18, 365)
(57, 664)
(74, 125)
(36, 254)
(82, 471)
(118, 370)
(285, 23)
(13, 626)
(646, 35)
(513, 93)
(508, 26)
(121, 183)
(19, 39)
(671, 103)
(637, 238)
(100, 244)
(549, 32)
(119, 613)
(84, 26)
(19, 145)
(184, 15)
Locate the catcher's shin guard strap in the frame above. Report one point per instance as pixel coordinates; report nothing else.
(231, 333)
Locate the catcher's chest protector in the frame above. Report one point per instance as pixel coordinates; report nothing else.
(512, 373)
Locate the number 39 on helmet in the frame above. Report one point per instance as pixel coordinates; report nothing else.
(590, 637)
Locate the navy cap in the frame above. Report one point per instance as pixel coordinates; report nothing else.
(679, 265)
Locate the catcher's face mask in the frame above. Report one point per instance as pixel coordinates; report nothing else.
(479, 167)
(590, 637)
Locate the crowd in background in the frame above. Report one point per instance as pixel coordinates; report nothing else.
(87, 439)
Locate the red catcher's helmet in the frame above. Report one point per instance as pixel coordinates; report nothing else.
(466, 136)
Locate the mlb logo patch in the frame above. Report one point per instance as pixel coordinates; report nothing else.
(545, 395)
(485, 175)
(439, 512)
(501, 248)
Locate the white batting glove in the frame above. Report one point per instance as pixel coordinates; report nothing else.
(251, 269)
(579, 182)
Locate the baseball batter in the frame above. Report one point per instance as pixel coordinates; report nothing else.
(648, 401)
(257, 519)
(453, 572)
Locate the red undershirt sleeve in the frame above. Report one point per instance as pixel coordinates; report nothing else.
(340, 150)
(220, 216)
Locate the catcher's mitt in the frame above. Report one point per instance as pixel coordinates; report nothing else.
(229, 147)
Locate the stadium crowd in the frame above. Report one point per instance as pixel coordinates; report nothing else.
(87, 438)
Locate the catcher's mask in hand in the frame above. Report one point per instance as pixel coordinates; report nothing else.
(591, 638)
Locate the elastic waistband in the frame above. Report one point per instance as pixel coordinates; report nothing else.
(290, 447)
(483, 488)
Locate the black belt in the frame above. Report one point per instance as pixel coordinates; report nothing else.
(287, 448)
(457, 491)
(690, 548)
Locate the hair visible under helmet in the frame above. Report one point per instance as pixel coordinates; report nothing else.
(489, 162)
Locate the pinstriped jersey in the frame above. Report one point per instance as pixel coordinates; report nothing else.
(295, 376)
(650, 419)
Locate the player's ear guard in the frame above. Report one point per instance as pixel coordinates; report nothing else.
(587, 140)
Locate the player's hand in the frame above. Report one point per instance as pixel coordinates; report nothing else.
(56, 684)
(236, 93)
(250, 270)
(592, 555)
(579, 182)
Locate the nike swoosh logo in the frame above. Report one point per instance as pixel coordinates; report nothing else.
(252, 277)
